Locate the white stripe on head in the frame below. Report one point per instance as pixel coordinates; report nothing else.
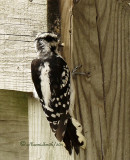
(42, 35)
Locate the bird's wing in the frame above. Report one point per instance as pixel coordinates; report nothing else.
(60, 89)
(55, 98)
(36, 63)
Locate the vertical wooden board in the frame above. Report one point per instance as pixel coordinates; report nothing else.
(66, 29)
(113, 27)
(20, 21)
(89, 89)
(42, 142)
(126, 142)
(13, 125)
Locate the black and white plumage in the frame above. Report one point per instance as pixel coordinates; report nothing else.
(53, 84)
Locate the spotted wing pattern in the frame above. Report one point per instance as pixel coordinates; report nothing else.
(52, 82)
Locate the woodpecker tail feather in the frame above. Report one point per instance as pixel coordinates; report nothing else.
(73, 136)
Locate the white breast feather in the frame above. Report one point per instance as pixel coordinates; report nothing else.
(35, 95)
(45, 83)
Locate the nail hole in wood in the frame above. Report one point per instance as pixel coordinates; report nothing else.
(88, 74)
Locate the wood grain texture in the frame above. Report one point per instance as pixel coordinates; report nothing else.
(20, 21)
(66, 28)
(89, 102)
(101, 45)
(13, 125)
(41, 134)
(113, 27)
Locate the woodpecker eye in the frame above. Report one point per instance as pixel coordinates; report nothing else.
(41, 40)
(50, 38)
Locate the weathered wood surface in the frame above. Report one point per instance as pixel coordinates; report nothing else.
(13, 125)
(20, 21)
(101, 45)
(89, 98)
(40, 134)
(114, 33)
(66, 29)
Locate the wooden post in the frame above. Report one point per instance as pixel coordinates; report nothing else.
(67, 29)
(100, 44)
(114, 38)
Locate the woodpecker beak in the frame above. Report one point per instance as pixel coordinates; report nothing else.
(61, 45)
(36, 39)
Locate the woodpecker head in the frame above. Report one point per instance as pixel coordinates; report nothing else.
(46, 42)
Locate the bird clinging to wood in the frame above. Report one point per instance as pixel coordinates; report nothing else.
(54, 87)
